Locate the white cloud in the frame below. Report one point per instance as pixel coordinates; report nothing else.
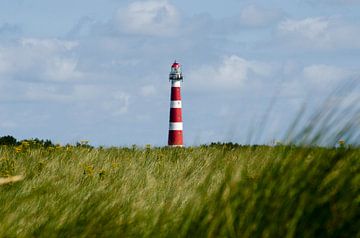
(148, 90)
(32, 59)
(45, 70)
(5, 64)
(62, 69)
(148, 18)
(117, 104)
(253, 15)
(321, 75)
(249, 17)
(310, 28)
(48, 44)
(89, 92)
(232, 73)
(44, 92)
(320, 33)
(101, 98)
(315, 81)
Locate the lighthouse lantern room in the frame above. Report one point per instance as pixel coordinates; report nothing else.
(175, 73)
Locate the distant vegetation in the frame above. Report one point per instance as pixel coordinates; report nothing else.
(12, 141)
(36, 143)
(217, 190)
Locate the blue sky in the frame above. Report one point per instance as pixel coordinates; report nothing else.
(98, 70)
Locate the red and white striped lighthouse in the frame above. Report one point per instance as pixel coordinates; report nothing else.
(175, 123)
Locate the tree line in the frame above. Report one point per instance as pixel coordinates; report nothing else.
(12, 141)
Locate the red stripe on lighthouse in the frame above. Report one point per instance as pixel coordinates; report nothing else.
(175, 94)
(175, 138)
(175, 115)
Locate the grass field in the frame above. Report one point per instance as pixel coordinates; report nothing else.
(206, 191)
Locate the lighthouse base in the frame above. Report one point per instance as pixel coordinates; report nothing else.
(176, 146)
(175, 138)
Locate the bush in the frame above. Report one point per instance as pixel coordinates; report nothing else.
(8, 140)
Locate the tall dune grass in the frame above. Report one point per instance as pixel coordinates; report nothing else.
(213, 191)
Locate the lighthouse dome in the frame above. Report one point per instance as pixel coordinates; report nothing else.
(175, 65)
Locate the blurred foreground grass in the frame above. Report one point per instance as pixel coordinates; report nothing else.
(207, 191)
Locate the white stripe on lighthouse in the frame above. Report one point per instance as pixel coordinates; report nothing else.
(176, 126)
(175, 104)
(175, 83)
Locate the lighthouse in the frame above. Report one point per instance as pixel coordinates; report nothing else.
(175, 138)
